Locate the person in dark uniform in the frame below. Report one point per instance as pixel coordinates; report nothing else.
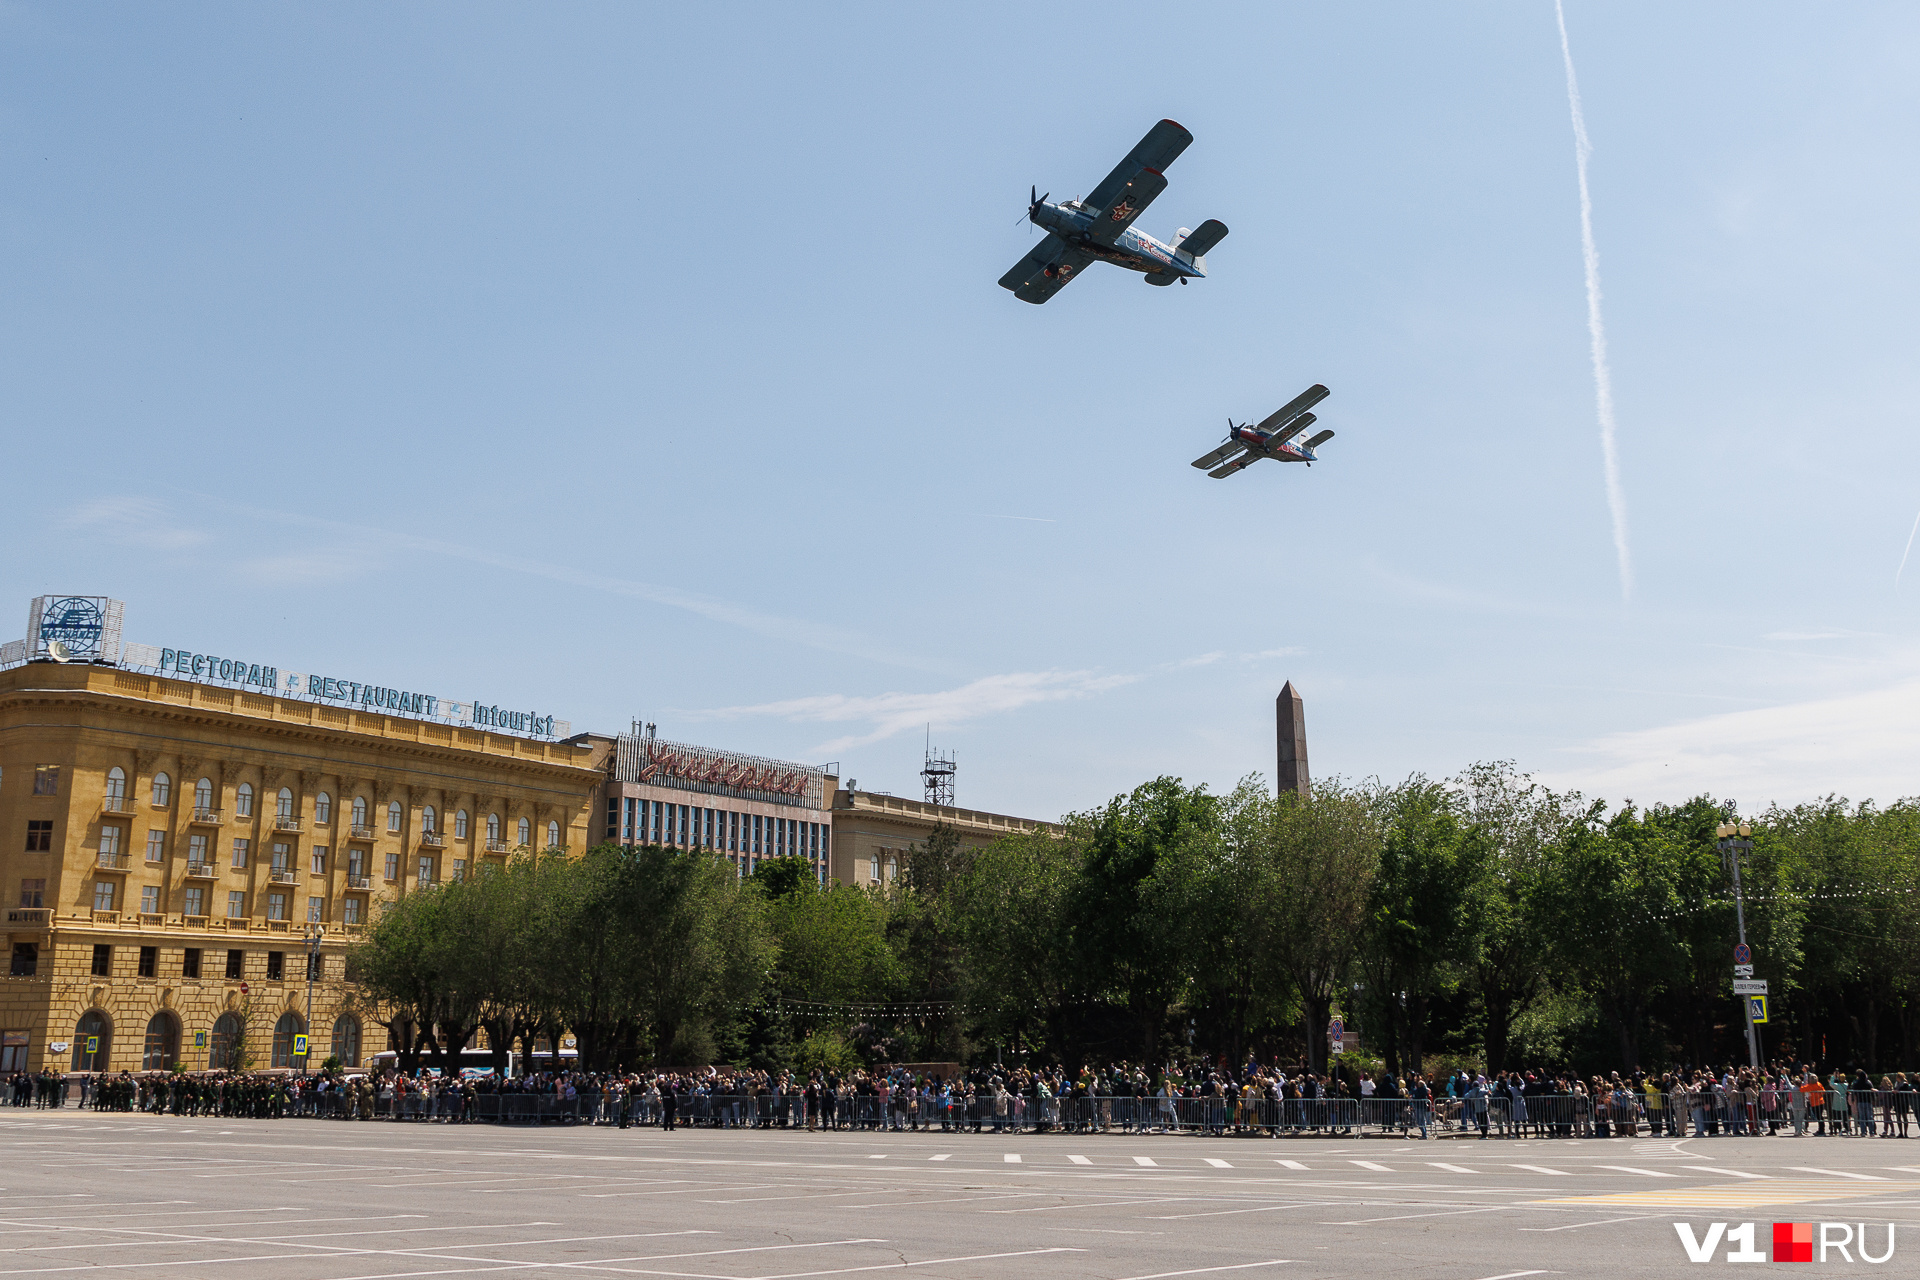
(669, 1104)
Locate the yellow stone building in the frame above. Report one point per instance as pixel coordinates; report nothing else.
(872, 832)
(175, 848)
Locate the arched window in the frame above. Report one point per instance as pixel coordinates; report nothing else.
(460, 825)
(427, 818)
(553, 835)
(162, 789)
(224, 1054)
(284, 1031)
(243, 800)
(163, 1043)
(493, 828)
(283, 804)
(91, 1041)
(360, 811)
(346, 1040)
(116, 785)
(203, 795)
(323, 808)
(526, 832)
(393, 816)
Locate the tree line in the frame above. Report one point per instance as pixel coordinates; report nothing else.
(1483, 919)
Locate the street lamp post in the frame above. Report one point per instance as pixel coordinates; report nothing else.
(314, 933)
(1735, 841)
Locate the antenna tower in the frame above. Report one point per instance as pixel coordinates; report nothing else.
(938, 775)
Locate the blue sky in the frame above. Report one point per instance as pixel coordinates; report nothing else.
(647, 361)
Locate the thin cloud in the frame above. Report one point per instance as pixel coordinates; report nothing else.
(1833, 633)
(142, 522)
(1031, 519)
(1222, 655)
(887, 714)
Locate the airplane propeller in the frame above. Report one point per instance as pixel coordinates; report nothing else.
(1034, 201)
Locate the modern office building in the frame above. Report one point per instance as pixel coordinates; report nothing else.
(183, 834)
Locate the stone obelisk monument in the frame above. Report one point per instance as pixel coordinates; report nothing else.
(1290, 728)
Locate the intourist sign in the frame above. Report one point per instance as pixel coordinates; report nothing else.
(701, 766)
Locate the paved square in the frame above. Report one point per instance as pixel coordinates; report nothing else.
(137, 1196)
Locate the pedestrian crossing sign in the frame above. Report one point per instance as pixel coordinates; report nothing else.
(93, 1044)
(299, 1046)
(1756, 1009)
(199, 1039)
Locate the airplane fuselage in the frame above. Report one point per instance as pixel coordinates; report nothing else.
(1133, 249)
(1262, 446)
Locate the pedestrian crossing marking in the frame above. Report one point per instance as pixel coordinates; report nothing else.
(1219, 1164)
(1147, 1161)
(1741, 1195)
(1290, 1164)
(1451, 1168)
(1645, 1173)
(1079, 1159)
(1368, 1164)
(1551, 1173)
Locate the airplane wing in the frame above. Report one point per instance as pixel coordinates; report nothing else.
(1219, 455)
(1135, 181)
(1291, 430)
(1284, 416)
(1227, 469)
(1045, 271)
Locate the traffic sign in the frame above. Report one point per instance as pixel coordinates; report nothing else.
(93, 1044)
(1756, 1009)
(1743, 954)
(299, 1046)
(243, 988)
(1743, 971)
(1750, 987)
(199, 1039)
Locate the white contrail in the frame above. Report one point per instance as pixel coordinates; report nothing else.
(1909, 551)
(1596, 327)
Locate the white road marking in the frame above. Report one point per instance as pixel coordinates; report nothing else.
(1290, 1164)
(1010, 1158)
(1368, 1164)
(947, 1156)
(1575, 1226)
(1079, 1159)
(1451, 1168)
(895, 1266)
(1218, 1164)
(1627, 1168)
(1839, 1173)
(1551, 1173)
(1731, 1173)
(1201, 1271)
(1515, 1275)
(876, 1157)
(1147, 1161)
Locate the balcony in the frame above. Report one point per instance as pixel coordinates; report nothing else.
(207, 818)
(361, 833)
(287, 822)
(496, 846)
(202, 871)
(30, 915)
(432, 840)
(112, 861)
(197, 922)
(116, 804)
(355, 881)
(282, 875)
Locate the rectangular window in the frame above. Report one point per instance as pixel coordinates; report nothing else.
(242, 848)
(316, 908)
(276, 965)
(235, 962)
(13, 1051)
(110, 838)
(33, 893)
(236, 905)
(39, 835)
(197, 850)
(149, 961)
(393, 818)
(102, 960)
(459, 868)
(46, 779)
(26, 959)
(282, 856)
(156, 845)
(319, 859)
(150, 899)
(393, 866)
(356, 862)
(196, 900)
(351, 910)
(426, 872)
(613, 818)
(103, 895)
(190, 963)
(276, 906)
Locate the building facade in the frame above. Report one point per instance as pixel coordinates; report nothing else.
(178, 854)
(745, 808)
(873, 831)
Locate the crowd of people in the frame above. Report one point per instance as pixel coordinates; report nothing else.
(1257, 1100)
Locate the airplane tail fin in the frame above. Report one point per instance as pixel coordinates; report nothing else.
(1194, 245)
(1319, 438)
